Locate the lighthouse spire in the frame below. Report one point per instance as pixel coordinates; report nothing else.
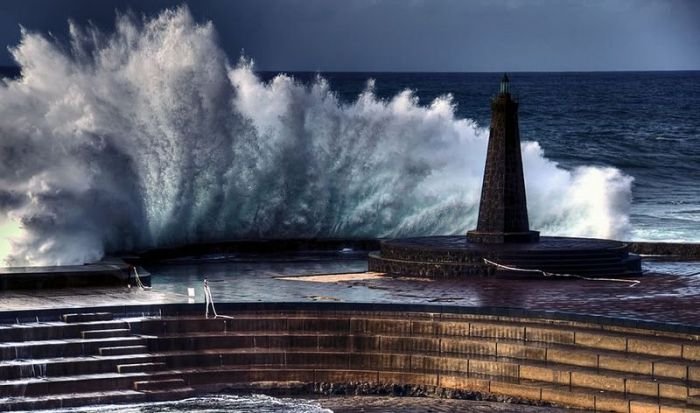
(503, 208)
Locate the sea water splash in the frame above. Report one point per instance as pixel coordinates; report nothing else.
(215, 403)
(149, 137)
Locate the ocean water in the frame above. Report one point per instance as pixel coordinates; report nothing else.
(222, 403)
(151, 136)
(646, 124)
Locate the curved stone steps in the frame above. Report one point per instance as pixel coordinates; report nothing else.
(311, 340)
(640, 363)
(469, 365)
(624, 340)
(67, 400)
(552, 360)
(406, 322)
(68, 366)
(529, 389)
(42, 349)
(86, 382)
(55, 330)
(533, 354)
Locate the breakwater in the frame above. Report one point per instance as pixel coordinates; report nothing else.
(675, 249)
(271, 245)
(126, 354)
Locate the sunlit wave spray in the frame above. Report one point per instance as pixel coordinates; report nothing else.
(149, 137)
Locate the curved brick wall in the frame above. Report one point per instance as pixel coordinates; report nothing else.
(585, 362)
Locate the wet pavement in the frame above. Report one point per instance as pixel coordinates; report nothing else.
(668, 292)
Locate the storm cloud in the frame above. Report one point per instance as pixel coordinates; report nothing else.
(413, 35)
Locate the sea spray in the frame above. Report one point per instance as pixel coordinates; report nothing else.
(149, 137)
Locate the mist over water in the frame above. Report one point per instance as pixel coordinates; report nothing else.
(149, 136)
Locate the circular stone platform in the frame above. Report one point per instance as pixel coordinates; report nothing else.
(455, 256)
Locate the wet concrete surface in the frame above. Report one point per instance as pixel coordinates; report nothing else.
(83, 297)
(668, 292)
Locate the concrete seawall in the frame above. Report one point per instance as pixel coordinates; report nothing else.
(276, 246)
(676, 249)
(587, 362)
(105, 273)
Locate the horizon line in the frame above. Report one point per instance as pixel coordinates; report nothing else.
(452, 71)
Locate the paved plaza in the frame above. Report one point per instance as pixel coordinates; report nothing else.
(672, 298)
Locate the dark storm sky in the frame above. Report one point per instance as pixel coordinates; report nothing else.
(413, 35)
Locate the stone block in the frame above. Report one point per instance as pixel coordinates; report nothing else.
(532, 392)
(85, 317)
(425, 328)
(408, 378)
(642, 387)
(691, 352)
(122, 350)
(410, 344)
(496, 331)
(151, 385)
(545, 374)
(694, 373)
(256, 324)
(192, 325)
(467, 347)
(493, 368)
(237, 359)
(520, 351)
(302, 342)
(379, 326)
(625, 364)
(313, 325)
(693, 390)
(319, 360)
(394, 362)
(334, 342)
(460, 329)
(573, 357)
(673, 391)
(345, 376)
(670, 369)
(549, 335)
(602, 341)
(654, 348)
(364, 361)
(604, 403)
(464, 383)
(364, 343)
(643, 406)
(675, 409)
(453, 365)
(112, 332)
(567, 398)
(597, 381)
(425, 363)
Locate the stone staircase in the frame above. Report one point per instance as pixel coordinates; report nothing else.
(86, 358)
(577, 364)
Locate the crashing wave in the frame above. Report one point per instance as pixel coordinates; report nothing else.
(149, 136)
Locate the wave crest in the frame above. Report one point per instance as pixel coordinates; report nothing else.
(149, 137)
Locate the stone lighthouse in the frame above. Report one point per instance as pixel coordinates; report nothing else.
(503, 208)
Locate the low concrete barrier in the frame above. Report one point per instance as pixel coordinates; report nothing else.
(675, 249)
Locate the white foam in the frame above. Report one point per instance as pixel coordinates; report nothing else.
(148, 137)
